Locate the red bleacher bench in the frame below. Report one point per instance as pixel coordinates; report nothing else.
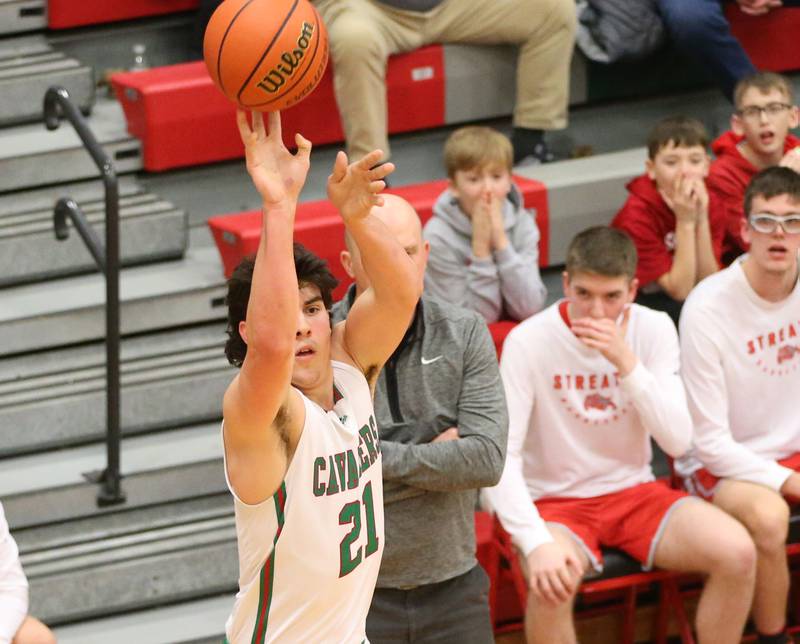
(182, 119)
(63, 14)
(770, 40)
(319, 227)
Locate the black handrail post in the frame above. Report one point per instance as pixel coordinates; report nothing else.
(57, 104)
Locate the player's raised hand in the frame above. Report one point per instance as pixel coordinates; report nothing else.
(554, 573)
(355, 188)
(277, 174)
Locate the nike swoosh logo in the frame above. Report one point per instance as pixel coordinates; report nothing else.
(424, 361)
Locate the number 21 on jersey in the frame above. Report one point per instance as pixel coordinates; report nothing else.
(351, 514)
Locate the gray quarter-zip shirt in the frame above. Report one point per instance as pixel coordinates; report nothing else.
(443, 374)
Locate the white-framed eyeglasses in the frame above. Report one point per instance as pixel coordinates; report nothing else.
(754, 111)
(767, 223)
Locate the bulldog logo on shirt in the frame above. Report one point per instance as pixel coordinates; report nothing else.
(775, 352)
(787, 352)
(591, 397)
(597, 401)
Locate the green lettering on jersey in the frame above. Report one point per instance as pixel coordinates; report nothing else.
(352, 470)
(333, 484)
(366, 435)
(319, 466)
(340, 469)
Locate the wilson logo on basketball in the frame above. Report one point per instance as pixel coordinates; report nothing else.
(278, 75)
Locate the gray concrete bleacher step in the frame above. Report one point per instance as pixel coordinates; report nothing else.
(151, 229)
(173, 540)
(17, 16)
(31, 156)
(56, 398)
(71, 310)
(584, 192)
(28, 66)
(198, 622)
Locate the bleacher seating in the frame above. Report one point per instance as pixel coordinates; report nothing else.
(151, 229)
(63, 14)
(28, 66)
(17, 16)
(168, 106)
(30, 156)
(770, 40)
(162, 567)
(319, 227)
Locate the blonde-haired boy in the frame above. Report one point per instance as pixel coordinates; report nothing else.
(484, 243)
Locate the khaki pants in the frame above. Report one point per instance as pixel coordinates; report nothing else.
(363, 33)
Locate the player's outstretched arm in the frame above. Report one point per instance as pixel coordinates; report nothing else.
(260, 414)
(380, 316)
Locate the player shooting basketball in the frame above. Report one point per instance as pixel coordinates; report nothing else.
(302, 455)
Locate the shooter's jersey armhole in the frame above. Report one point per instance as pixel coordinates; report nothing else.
(270, 498)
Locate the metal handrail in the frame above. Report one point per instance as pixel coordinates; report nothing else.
(57, 105)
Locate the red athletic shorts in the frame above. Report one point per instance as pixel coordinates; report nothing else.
(703, 483)
(631, 520)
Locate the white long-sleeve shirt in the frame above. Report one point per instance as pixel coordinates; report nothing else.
(576, 428)
(13, 585)
(741, 368)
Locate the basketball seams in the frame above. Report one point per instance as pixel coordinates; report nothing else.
(302, 75)
(222, 42)
(266, 51)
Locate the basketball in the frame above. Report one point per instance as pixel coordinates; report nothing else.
(266, 55)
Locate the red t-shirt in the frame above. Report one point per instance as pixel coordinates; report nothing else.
(728, 179)
(651, 224)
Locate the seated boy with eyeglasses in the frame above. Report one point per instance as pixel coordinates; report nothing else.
(759, 138)
(740, 361)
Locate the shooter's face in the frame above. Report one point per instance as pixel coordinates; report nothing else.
(312, 340)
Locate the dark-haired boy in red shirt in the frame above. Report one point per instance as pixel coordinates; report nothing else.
(676, 226)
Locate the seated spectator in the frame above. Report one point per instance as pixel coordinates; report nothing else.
(759, 138)
(16, 626)
(676, 227)
(363, 33)
(588, 382)
(740, 346)
(484, 243)
(700, 30)
(442, 423)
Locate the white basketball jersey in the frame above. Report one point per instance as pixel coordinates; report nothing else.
(309, 556)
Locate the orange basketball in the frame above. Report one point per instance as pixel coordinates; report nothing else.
(266, 55)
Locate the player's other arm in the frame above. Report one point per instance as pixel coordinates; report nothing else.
(380, 316)
(707, 393)
(262, 418)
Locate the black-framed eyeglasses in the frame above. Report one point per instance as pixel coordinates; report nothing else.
(754, 112)
(767, 223)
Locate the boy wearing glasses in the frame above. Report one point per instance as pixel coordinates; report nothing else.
(740, 348)
(759, 138)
